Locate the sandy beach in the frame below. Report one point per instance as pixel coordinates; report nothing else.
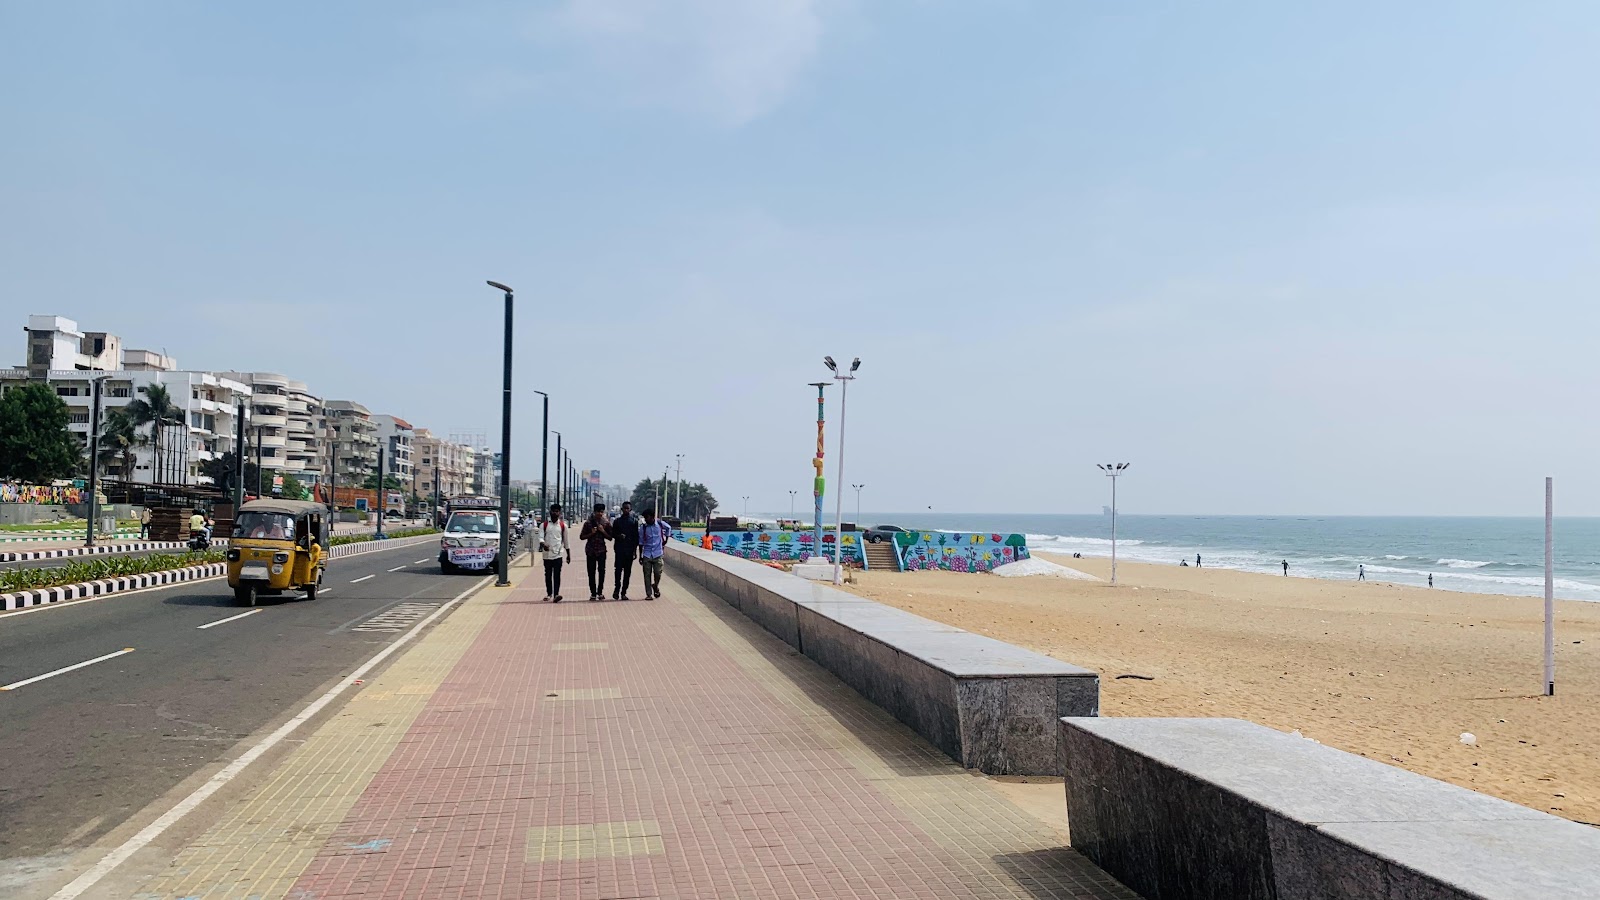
(1392, 673)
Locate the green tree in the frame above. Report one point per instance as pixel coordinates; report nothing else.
(698, 501)
(118, 438)
(156, 410)
(36, 445)
(389, 481)
(220, 471)
(292, 488)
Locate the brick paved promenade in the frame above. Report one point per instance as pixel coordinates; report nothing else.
(618, 750)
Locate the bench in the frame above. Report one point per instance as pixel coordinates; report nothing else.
(989, 705)
(1225, 809)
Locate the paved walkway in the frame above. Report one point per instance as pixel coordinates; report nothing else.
(618, 750)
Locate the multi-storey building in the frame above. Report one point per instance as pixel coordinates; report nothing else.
(396, 436)
(354, 439)
(446, 458)
(205, 404)
(285, 418)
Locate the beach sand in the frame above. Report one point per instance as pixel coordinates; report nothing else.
(1393, 673)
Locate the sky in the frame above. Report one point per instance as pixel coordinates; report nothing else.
(1282, 258)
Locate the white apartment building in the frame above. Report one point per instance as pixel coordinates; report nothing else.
(286, 416)
(447, 458)
(354, 439)
(396, 436)
(206, 402)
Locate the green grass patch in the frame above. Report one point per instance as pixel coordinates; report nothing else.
(363, 538)
(96, 568)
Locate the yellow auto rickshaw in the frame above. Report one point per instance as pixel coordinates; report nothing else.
(277, 546)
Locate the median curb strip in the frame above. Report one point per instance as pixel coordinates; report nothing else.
(40, 596)
(69, 537)
(136, 547)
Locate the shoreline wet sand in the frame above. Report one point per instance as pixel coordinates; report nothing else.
(1391, 672)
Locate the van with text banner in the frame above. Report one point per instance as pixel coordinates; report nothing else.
(471, 539)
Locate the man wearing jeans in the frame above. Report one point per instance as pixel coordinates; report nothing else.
(652, 548)
(625, 541)
(596, 531)
(553, 541)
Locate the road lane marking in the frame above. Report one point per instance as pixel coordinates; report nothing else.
(88, 662)
(396, 618)
(154, 830)
(421, 561)
(361, 579)
(398, 568)
(230, 619)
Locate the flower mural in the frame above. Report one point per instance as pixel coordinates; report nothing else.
(959, 551)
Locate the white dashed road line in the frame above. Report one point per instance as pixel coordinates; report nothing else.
(229, 619)
(361, 579)
(88, 662)
(421, 561)
(398, 568)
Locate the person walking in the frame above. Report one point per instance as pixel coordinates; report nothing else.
(1197, 560)
(652, 552)
(1430, 579)
(596, 531)
(553, 542)
(1286, 568)
(625, 542)
(1361, 573)
(145, 515)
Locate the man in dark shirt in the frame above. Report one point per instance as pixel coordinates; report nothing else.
(625, 538)
(596, 531)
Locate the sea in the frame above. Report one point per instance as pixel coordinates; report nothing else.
(1489, 555)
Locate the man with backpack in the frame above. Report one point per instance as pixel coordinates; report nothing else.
(625, 541)
(653, 535)
(553, 542)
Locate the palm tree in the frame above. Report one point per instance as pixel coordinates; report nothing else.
(119, 434)
(156, 410)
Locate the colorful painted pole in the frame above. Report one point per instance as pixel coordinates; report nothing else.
(818, 484)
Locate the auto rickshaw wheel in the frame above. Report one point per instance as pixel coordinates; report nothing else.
(245, 595)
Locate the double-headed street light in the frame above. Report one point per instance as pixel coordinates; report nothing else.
(1113, 470)
(505, 448)
(858, 488)
(791, 503)
(844, 378)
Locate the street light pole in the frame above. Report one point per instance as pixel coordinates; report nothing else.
(1113, 470)
(259, 429)
(844, 379)
(858, 488)
(560, 467)
(747, 506)
(381, 494)
(238, 459)
(544, 455)
(97, 386)
(505, 446)
(678, 509)
(792, 495)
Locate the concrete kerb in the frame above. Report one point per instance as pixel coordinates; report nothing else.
(990, 705)
(123, 583)
(98, 549)
(1184, 809)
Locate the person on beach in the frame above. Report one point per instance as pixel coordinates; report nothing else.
(1197, 560)
(625, 541)
(1361, 573)
(1430, 579)
(553, 541)
(652, 552)
(596, 531)
(145, 516)
(1286, 568)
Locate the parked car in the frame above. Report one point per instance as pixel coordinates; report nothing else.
(879, 533)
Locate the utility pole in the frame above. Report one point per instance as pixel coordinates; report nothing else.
(844, 378)
(382, 495)
(238, 457)
(544, 458)
(259, 429)
(560, 467)
(97, 386)
(1549, 589)
(858, 488)
(505, 447)
(678, 510)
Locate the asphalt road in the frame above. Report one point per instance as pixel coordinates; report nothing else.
(82, 750)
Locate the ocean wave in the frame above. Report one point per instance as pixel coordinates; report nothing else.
(1463, 563)
(1392, 556)
(1081, 541)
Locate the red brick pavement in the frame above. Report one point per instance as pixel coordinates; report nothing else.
(617, 750)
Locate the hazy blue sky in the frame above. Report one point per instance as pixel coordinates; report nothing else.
(1283, 259)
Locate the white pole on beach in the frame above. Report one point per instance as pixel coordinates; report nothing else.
(1113, 470)
(1549, 591)
(844, 378)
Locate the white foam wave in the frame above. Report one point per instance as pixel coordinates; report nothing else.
(1392, 556)
(1463, 563)
(1079, 541)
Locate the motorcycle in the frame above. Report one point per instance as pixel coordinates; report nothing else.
(199, 541)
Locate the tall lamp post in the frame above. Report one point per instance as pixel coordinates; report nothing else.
(1113, 470)
(817, 483)
(792, 495)
(97, 385)
(747, 506)
(678, 500)
(559, 469)
(544, 454)
(505, 445)
(844, 379)
(858, 488)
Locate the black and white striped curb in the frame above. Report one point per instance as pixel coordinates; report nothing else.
(40, 596)
(135, 547)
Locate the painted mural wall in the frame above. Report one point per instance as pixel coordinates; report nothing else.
(778, 546)
(959, 551)
(11, 492)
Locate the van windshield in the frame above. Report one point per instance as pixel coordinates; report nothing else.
(474, 523)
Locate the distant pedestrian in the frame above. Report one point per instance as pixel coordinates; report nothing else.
(1286, 568)
(596, 531)
(144, 523)
(1430, 579)
(625, 542)
(553, 542)
(1197, 560)
(1361, 573)
(653, 536)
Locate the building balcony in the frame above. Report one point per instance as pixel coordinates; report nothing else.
(272, 440)
(276, 401)
(268, 420)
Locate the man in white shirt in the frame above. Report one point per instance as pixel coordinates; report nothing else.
(553, 543)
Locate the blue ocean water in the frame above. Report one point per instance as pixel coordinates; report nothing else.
(1483, 555)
